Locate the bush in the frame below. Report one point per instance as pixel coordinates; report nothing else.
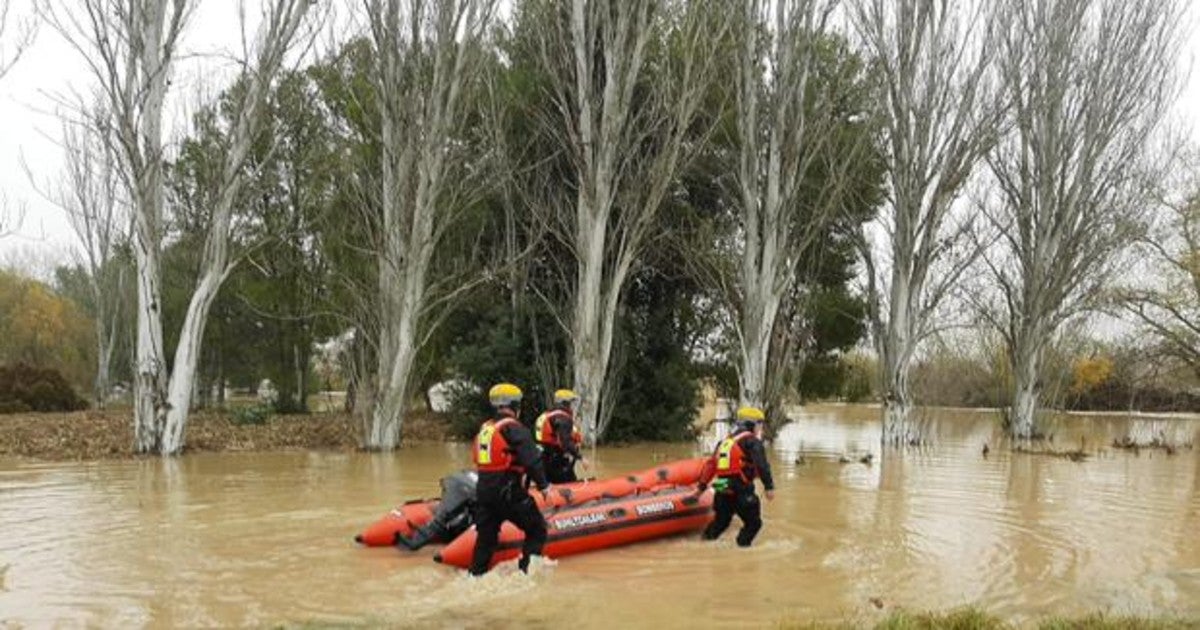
(860, 376)
(13, 406)
(468, 409)
(252, 415)
(24, 388)
(1119, 395)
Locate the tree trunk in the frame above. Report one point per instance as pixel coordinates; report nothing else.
(590, 350)
(187, 362)
(757, 317)
(301, 363)
(898, 426)
(387, 414)
(1026, 366)
(150, 380)
(150, 383)
(397, 355)
(896, 347)
(104, 350)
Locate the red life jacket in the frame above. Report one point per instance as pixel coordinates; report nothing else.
(491, 451)
(731, 460)
(544, 429)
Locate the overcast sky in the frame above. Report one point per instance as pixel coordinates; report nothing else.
(51, 71)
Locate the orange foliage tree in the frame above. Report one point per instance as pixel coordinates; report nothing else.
(41, 328)
(1089, 373)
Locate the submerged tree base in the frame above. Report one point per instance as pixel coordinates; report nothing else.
(975, 619)
(1076, 455)
(1158, 442)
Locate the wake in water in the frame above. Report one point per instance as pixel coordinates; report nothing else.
(770, 547)
(445, 601)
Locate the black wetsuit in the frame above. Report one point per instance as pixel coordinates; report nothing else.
(501, 496)
(559, 461)
(739, 497)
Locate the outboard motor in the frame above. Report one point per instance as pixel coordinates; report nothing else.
(453, 514)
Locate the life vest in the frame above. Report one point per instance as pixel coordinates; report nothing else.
(544, 431)
(732, 460)
(492, 453)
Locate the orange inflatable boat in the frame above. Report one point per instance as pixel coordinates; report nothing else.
(404, 520)
(608, 522)
(407, 518)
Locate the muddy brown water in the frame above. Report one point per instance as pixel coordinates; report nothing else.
(262, 539)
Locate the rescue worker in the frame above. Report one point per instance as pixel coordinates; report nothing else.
(504, 452)
(736, 462)
(559, 438)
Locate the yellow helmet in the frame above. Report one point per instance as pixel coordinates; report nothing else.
(565, 396)
(751, 414)
(504, 395)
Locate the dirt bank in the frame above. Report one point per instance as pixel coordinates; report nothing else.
(90, 435)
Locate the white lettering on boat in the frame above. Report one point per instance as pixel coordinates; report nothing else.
(655, 508)
(581, 520)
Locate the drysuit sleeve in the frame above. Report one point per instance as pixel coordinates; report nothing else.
(707, 472)
(520, 442)
(758, 455)
(562, 429)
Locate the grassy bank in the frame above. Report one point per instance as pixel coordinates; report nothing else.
(972, 619)
(966, 619)
(90, 435)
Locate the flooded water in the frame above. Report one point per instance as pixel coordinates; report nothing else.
(253, 539)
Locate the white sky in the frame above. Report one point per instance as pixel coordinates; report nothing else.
(52, 70)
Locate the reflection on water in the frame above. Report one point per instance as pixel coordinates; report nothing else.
(242, 539)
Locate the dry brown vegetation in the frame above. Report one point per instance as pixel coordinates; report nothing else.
(109, 435)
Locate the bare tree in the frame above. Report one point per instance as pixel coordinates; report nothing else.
(1088, 81)
(1166, 299)
(790, 174)
(130, 49)
(15, 36)
(937, 118)
(88, 191)
(624, 150)
(428, 56)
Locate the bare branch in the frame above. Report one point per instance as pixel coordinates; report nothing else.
(939, 116)
(1089, 81)
(16, 36)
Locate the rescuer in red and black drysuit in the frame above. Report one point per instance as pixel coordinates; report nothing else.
(504, 452)
(559, 438)
(736, 462)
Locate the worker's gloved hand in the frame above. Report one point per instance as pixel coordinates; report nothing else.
(770, 495)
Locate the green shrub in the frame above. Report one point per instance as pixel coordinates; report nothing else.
(251, 415)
